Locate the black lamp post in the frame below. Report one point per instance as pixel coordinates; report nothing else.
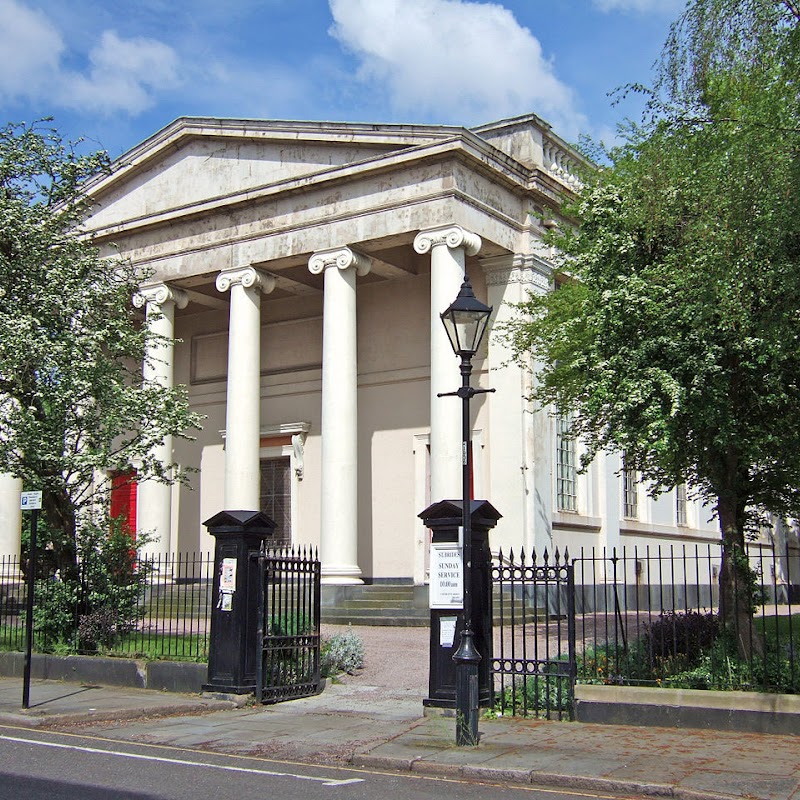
(465, 322)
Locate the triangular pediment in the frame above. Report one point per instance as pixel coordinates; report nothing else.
(196, 160)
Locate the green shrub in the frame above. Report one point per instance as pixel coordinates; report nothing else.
(539, 695)
(693, 651)
(102, 601)
(612, 663)
(676, 642)
(289, 625)
(342, 652)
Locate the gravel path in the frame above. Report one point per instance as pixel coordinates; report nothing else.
(396, 658)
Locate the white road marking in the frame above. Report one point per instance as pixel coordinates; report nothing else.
(97, 751)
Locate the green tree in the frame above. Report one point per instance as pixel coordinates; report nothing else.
(74, 405)
(675, 331)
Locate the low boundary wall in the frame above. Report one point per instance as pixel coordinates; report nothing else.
(165, 676)
(748, 712)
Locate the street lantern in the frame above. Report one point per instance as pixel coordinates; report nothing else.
(465, 322)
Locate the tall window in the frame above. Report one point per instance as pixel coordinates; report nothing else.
(630, 491)
(566, 467)
(681, 517)
(276, 496)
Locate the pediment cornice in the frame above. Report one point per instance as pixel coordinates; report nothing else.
(183, 129)
(465, 147)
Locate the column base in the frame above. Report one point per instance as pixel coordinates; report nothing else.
(341, 575)
(10, 574)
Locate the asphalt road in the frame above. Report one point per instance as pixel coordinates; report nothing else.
(39, 765)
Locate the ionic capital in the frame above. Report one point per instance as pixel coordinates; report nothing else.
(341, 258)
(248, 277)
(158, 294)
(451, 235)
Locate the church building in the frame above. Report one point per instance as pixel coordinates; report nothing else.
(302, 268)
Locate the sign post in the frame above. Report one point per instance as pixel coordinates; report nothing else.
(30, 501)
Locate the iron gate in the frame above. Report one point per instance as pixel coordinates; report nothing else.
(534, 664)
(288, 625)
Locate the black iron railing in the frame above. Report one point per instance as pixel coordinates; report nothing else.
(534, 635)
(159, 607)
(655, 616)
(288, 625)
(646, 617)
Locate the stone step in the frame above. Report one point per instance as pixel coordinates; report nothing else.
(375, 612)
(375, 604)
(388, 621)
(358, 603)
(380, 592)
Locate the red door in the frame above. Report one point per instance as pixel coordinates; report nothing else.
(123, 499)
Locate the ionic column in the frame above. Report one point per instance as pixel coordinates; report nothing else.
(448, 246)
(339, 502)
(242, 413)
(10, 524)
(154, 498)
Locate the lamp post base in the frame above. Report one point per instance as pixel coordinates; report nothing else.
(467, 659)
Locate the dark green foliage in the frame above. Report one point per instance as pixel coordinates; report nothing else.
(289, 625)
(676, 640)
(545, 695)
(673, 337)
(693, 651)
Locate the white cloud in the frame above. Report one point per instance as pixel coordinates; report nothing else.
(660, 6)
(454, 60)
(122, 75)
(31, 49)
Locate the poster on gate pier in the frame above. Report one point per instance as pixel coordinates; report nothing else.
(446, 589)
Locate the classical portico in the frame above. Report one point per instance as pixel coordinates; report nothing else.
(304, 279)
(304, 267)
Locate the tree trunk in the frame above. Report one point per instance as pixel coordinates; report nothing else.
(736, 584)
(60, 516)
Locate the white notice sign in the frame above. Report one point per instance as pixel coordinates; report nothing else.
(447, 631)
(227, 575)
(30, 501)
(446, 588)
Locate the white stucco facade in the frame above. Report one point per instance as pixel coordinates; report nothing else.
(302, 267)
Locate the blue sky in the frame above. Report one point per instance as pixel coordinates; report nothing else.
(116, 71)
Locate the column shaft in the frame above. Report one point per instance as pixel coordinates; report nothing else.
(522, 449)
(447, 247)
(243, 410)
(10, 521)
(154, 498)
(339, 497)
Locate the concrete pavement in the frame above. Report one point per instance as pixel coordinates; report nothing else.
(352, 723)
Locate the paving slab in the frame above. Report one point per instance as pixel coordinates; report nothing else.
(378, 727)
